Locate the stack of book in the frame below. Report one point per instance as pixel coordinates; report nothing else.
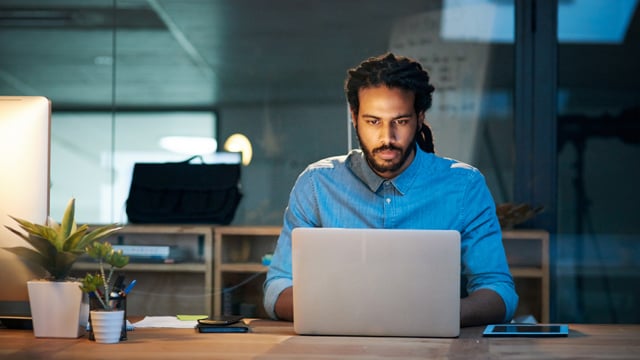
(151, 253)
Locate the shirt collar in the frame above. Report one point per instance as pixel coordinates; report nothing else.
(361, 169)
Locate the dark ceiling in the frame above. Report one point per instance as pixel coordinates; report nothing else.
(209, 53)
(189, 53)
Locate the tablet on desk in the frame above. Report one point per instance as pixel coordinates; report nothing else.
(526, 330)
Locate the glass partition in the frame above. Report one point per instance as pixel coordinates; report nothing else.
(468, 49)
(597, 267)
(271, 71)
(93, 154)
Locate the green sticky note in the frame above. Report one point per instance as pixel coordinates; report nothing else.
(191, 317)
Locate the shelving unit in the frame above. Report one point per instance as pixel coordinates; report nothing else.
(182, 285)
(528, 257)
(238, 252)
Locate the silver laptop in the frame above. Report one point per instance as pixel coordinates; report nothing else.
(376, 282)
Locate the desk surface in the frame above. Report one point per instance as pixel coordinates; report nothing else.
(276, 340)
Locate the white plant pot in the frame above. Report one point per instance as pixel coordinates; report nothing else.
(107, 325)
(58, 309)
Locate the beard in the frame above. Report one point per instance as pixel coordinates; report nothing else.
(383, 166)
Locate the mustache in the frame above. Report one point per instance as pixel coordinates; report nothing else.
(386, 147)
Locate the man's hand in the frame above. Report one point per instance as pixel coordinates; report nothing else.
(482, 307)
(284, 305)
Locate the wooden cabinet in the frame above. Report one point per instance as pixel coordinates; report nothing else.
(184, 286)
(528, 257)
(239, 273)
(220, 262)
(238, 268)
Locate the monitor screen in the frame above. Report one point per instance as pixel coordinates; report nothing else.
(24, 189)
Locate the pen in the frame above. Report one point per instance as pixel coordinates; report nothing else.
(130, 286)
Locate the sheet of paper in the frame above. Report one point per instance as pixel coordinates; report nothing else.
(165, 322)
(191, 317)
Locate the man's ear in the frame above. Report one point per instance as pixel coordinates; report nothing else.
(354, 118)
(420, 120)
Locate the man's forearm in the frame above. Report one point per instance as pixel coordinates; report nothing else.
(284, 305)
(481, 307)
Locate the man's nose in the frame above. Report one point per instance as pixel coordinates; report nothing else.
(387, 133)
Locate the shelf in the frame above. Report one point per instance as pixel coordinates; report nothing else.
(528, 257)
(165, 229)
(150, 267)
(243, 267)
(238, 249)
(162, 286)
(530, 272)
(248, 230)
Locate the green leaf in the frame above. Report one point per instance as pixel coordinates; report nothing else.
(117, 259)
(57, 246)
(97, 234)
(67, 220)
(29, 255)
(72, 243)
(40, 244)
(99, 251)
(102, 232)
(53, 224)
(62, 266)
(35, 229)
(91, 283)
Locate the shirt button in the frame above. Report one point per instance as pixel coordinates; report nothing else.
(388, 200)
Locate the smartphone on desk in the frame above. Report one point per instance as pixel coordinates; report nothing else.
(220, 320)
(222, 324)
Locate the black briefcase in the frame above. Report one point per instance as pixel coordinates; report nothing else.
(184, 193)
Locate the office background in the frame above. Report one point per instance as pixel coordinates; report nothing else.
(541, 96)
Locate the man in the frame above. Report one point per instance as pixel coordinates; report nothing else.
(397, 181)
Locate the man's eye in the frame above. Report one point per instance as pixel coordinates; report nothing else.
(402, 121)
(373, 121)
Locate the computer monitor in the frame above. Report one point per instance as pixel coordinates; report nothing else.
(24, 191)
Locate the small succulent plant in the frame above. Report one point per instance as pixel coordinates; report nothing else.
(99, 284)
(56, 247)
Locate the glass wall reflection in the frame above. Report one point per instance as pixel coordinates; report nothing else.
(597, 266)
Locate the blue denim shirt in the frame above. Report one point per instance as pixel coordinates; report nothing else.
(432, 193)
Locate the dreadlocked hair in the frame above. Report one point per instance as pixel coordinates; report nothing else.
(394, 72)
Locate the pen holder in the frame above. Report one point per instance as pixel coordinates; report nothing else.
(117, 302)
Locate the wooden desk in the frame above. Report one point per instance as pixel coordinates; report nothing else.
(276, 340)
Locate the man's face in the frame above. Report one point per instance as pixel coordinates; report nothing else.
(387, 126)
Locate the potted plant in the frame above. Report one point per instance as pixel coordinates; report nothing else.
(55, 248)
(107, 315)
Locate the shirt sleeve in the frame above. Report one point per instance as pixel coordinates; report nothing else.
(299, 213)
(279, 274)
(484, 263)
